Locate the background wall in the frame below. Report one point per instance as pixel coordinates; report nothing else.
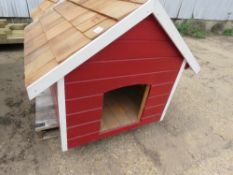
(182, 9)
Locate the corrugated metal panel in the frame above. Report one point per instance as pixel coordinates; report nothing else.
(162, 1)
(231, 11)
(19, 8)
(183, 9)
(186, 9)
(172, 7)
(32, 4)
(5, 8)
(216, 10)
(13, 8)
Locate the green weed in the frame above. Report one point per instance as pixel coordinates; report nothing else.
(228, 32)
(188, 29)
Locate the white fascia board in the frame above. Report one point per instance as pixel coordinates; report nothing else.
(173, 89)
(62, 114)
(167, 24)
(90, 49)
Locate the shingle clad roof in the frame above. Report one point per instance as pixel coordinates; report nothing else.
(61, 29)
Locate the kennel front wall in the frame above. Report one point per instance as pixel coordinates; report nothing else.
(143, 56)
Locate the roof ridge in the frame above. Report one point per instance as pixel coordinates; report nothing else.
(89, 9)
(106, 3)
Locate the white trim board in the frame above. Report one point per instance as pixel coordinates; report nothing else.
(182, 68)
(62, 113)
(150, 7)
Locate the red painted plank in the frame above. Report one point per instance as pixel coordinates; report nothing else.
(152, 118)
(161, 89)
(83, 140)
(158, 100)
(83, 129)
(149, 111)
(121, 68)
(81, 89)
(148, 29)
(78, 141)
(83, 118)
(83, 104)
(132, 50)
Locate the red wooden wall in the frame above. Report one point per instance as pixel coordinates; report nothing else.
(144, 55)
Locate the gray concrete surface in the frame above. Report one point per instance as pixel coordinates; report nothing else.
(196, 137)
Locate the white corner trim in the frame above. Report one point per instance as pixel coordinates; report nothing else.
(90, 49)
(182, 68)
(167, 24)
(62, 113)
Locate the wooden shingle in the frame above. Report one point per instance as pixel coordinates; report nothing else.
(67, 43)
(32, 30)
(87, 20)
(44, 6)
(69, 10)
(99, 28)
(111, 8)
(34, 44)
(40, 72)
(37, 59)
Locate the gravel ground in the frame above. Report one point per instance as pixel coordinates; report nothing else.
(195, 138)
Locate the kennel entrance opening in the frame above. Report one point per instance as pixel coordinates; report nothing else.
(123, 106)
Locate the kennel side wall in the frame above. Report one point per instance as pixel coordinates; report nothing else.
(53, 90)
(144, 55)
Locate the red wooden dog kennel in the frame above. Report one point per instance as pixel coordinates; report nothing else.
(111, 65)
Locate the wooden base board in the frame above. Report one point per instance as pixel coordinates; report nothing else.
(48, 134)
(122, 107)
(45, 113)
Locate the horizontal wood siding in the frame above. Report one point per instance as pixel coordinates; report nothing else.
(83, 104)
(146, 35)
(83, 130)
(153, 110)
(161, 88)
(157, 100)
(77, 141)
(137, 67)
(135, 58)
(85, 88)
(84, 117)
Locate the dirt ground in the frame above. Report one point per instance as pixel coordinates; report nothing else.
(196, 137)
